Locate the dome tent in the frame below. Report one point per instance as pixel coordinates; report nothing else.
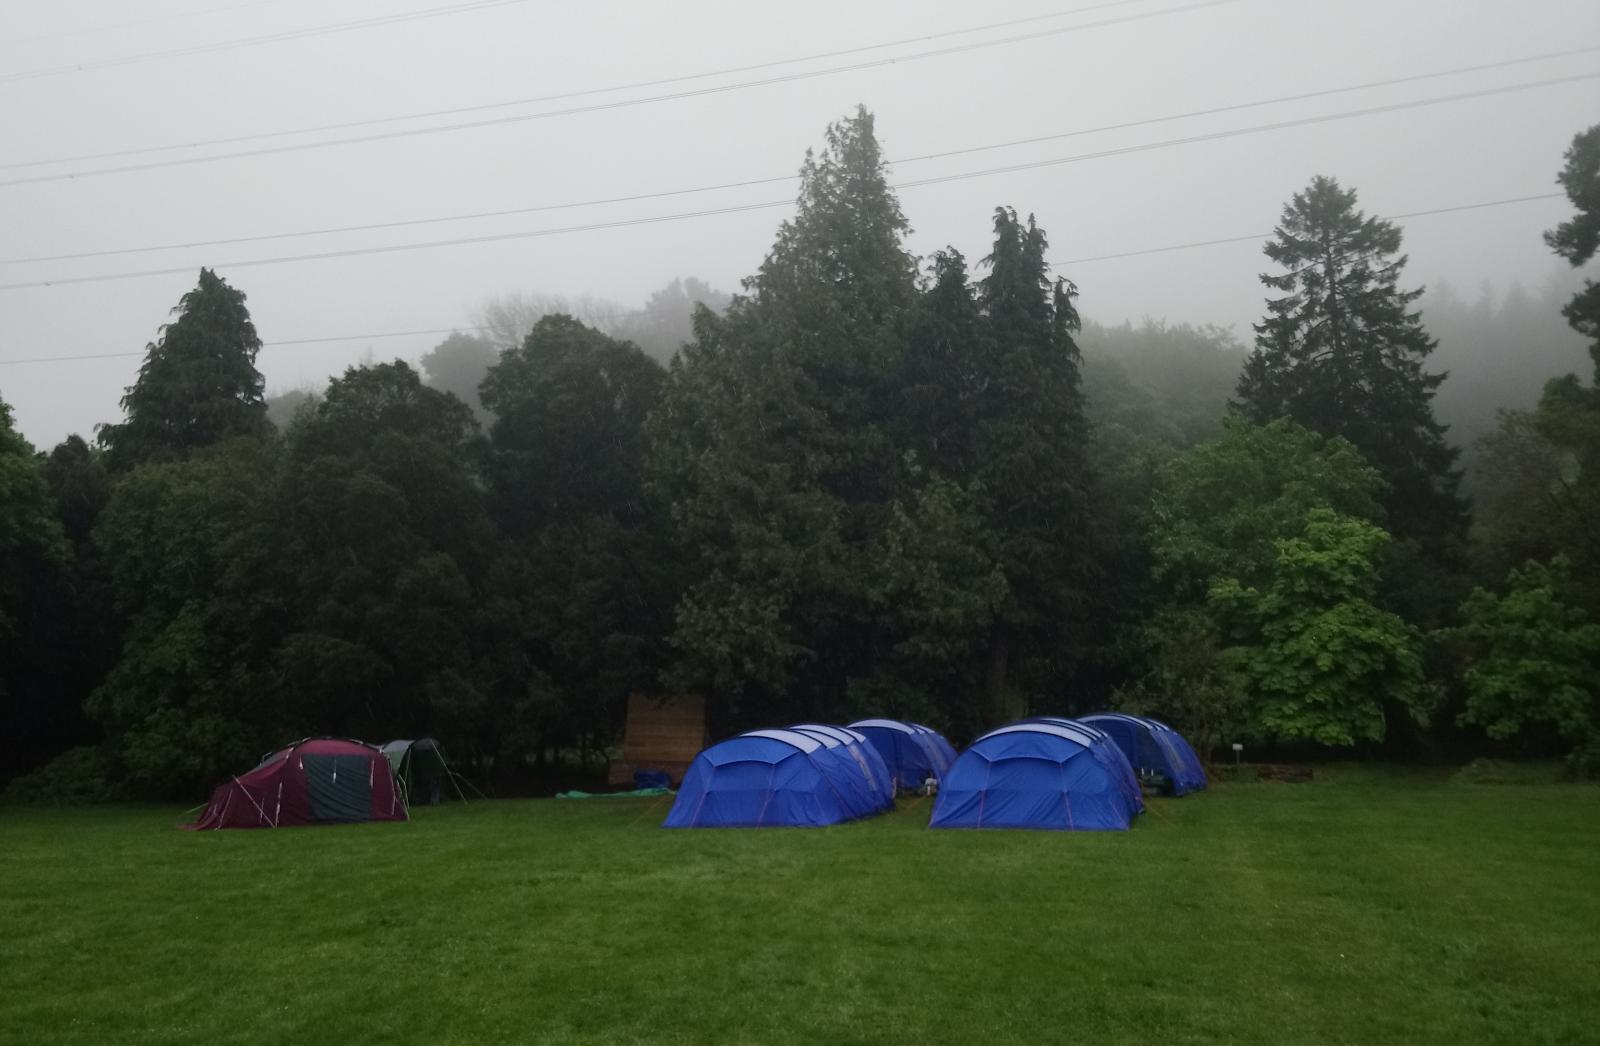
(769, 778)
(910, 752)
(318, 780)
(860, 751)
(1154, 749)
(420, 770)
(1043, 774)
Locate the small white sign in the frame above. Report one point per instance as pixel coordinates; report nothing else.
(1237, 747)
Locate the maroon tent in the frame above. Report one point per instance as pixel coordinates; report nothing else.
(320, 780)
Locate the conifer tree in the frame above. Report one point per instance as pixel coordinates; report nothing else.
(1343, 353)
(198, 385)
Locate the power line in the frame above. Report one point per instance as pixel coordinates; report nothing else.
(265, 344)
(767, 204)
(1258, 236)
(569, 111)
(253, 41)
(749, 182)
(134, 23)
(1055, 264)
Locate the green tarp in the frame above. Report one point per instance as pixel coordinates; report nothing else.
(637, 793)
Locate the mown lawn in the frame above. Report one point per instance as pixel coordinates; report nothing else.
(1369, 906)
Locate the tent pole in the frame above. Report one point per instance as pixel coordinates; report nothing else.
(449, 772)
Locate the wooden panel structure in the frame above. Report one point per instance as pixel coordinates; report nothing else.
(663, 733)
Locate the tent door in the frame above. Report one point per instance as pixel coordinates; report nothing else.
(341, 787)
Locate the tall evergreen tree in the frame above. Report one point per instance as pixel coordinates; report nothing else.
(1578, 238)
(1031, 445)
(198, 384)
(1342, 353)
(775, 447)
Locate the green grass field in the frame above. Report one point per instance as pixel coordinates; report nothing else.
(1369, 906)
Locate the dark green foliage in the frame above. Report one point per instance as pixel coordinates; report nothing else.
(1533, 658)
(1342, 353)
(76, 777)
(586, 574)
(773, 446)
(190, 554)
(570, 406)
(37, 714)
(385, 531)
(198, 384)
(80, 486)
(1578, 238)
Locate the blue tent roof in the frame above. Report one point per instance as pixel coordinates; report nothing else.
(912, 753)
(1153, 747)
(772, 778)
(1049, 774)
(880, 785)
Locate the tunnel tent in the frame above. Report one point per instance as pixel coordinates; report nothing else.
(765, 778)
(1039, 774)
(908, 751)
(841, 771)
(862, 753)
(1108, 752)
(940, 744)
(316, 780)
(1156, 751)
(419, 768)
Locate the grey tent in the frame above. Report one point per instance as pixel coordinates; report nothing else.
(420, 769)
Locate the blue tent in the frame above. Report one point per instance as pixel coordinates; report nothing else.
(1154, 749)
(770, 778)
(860, 751)
(944, 748)
(1051, 774)
(910, 752)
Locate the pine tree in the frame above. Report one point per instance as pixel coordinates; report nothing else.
(1578, 238)
(1343, 353)
(199, 383)
(775, 444)
(1030, 451)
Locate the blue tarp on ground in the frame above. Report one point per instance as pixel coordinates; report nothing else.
(1043, 774)
(1154, 748)
(769, 778)
(912, 753)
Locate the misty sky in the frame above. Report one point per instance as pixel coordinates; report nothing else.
(1465, 152)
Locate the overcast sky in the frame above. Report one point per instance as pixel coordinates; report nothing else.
(66, 91)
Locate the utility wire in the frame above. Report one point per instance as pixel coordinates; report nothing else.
(767, 204)
(253, 41)
(1259, 236)
(264, 344)
(1056, 264)
(749, 182)
(569, 111)
(87, 30)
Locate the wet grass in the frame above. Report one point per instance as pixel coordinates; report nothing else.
(1368, 906)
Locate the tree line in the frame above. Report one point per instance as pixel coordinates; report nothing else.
(870, 483)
